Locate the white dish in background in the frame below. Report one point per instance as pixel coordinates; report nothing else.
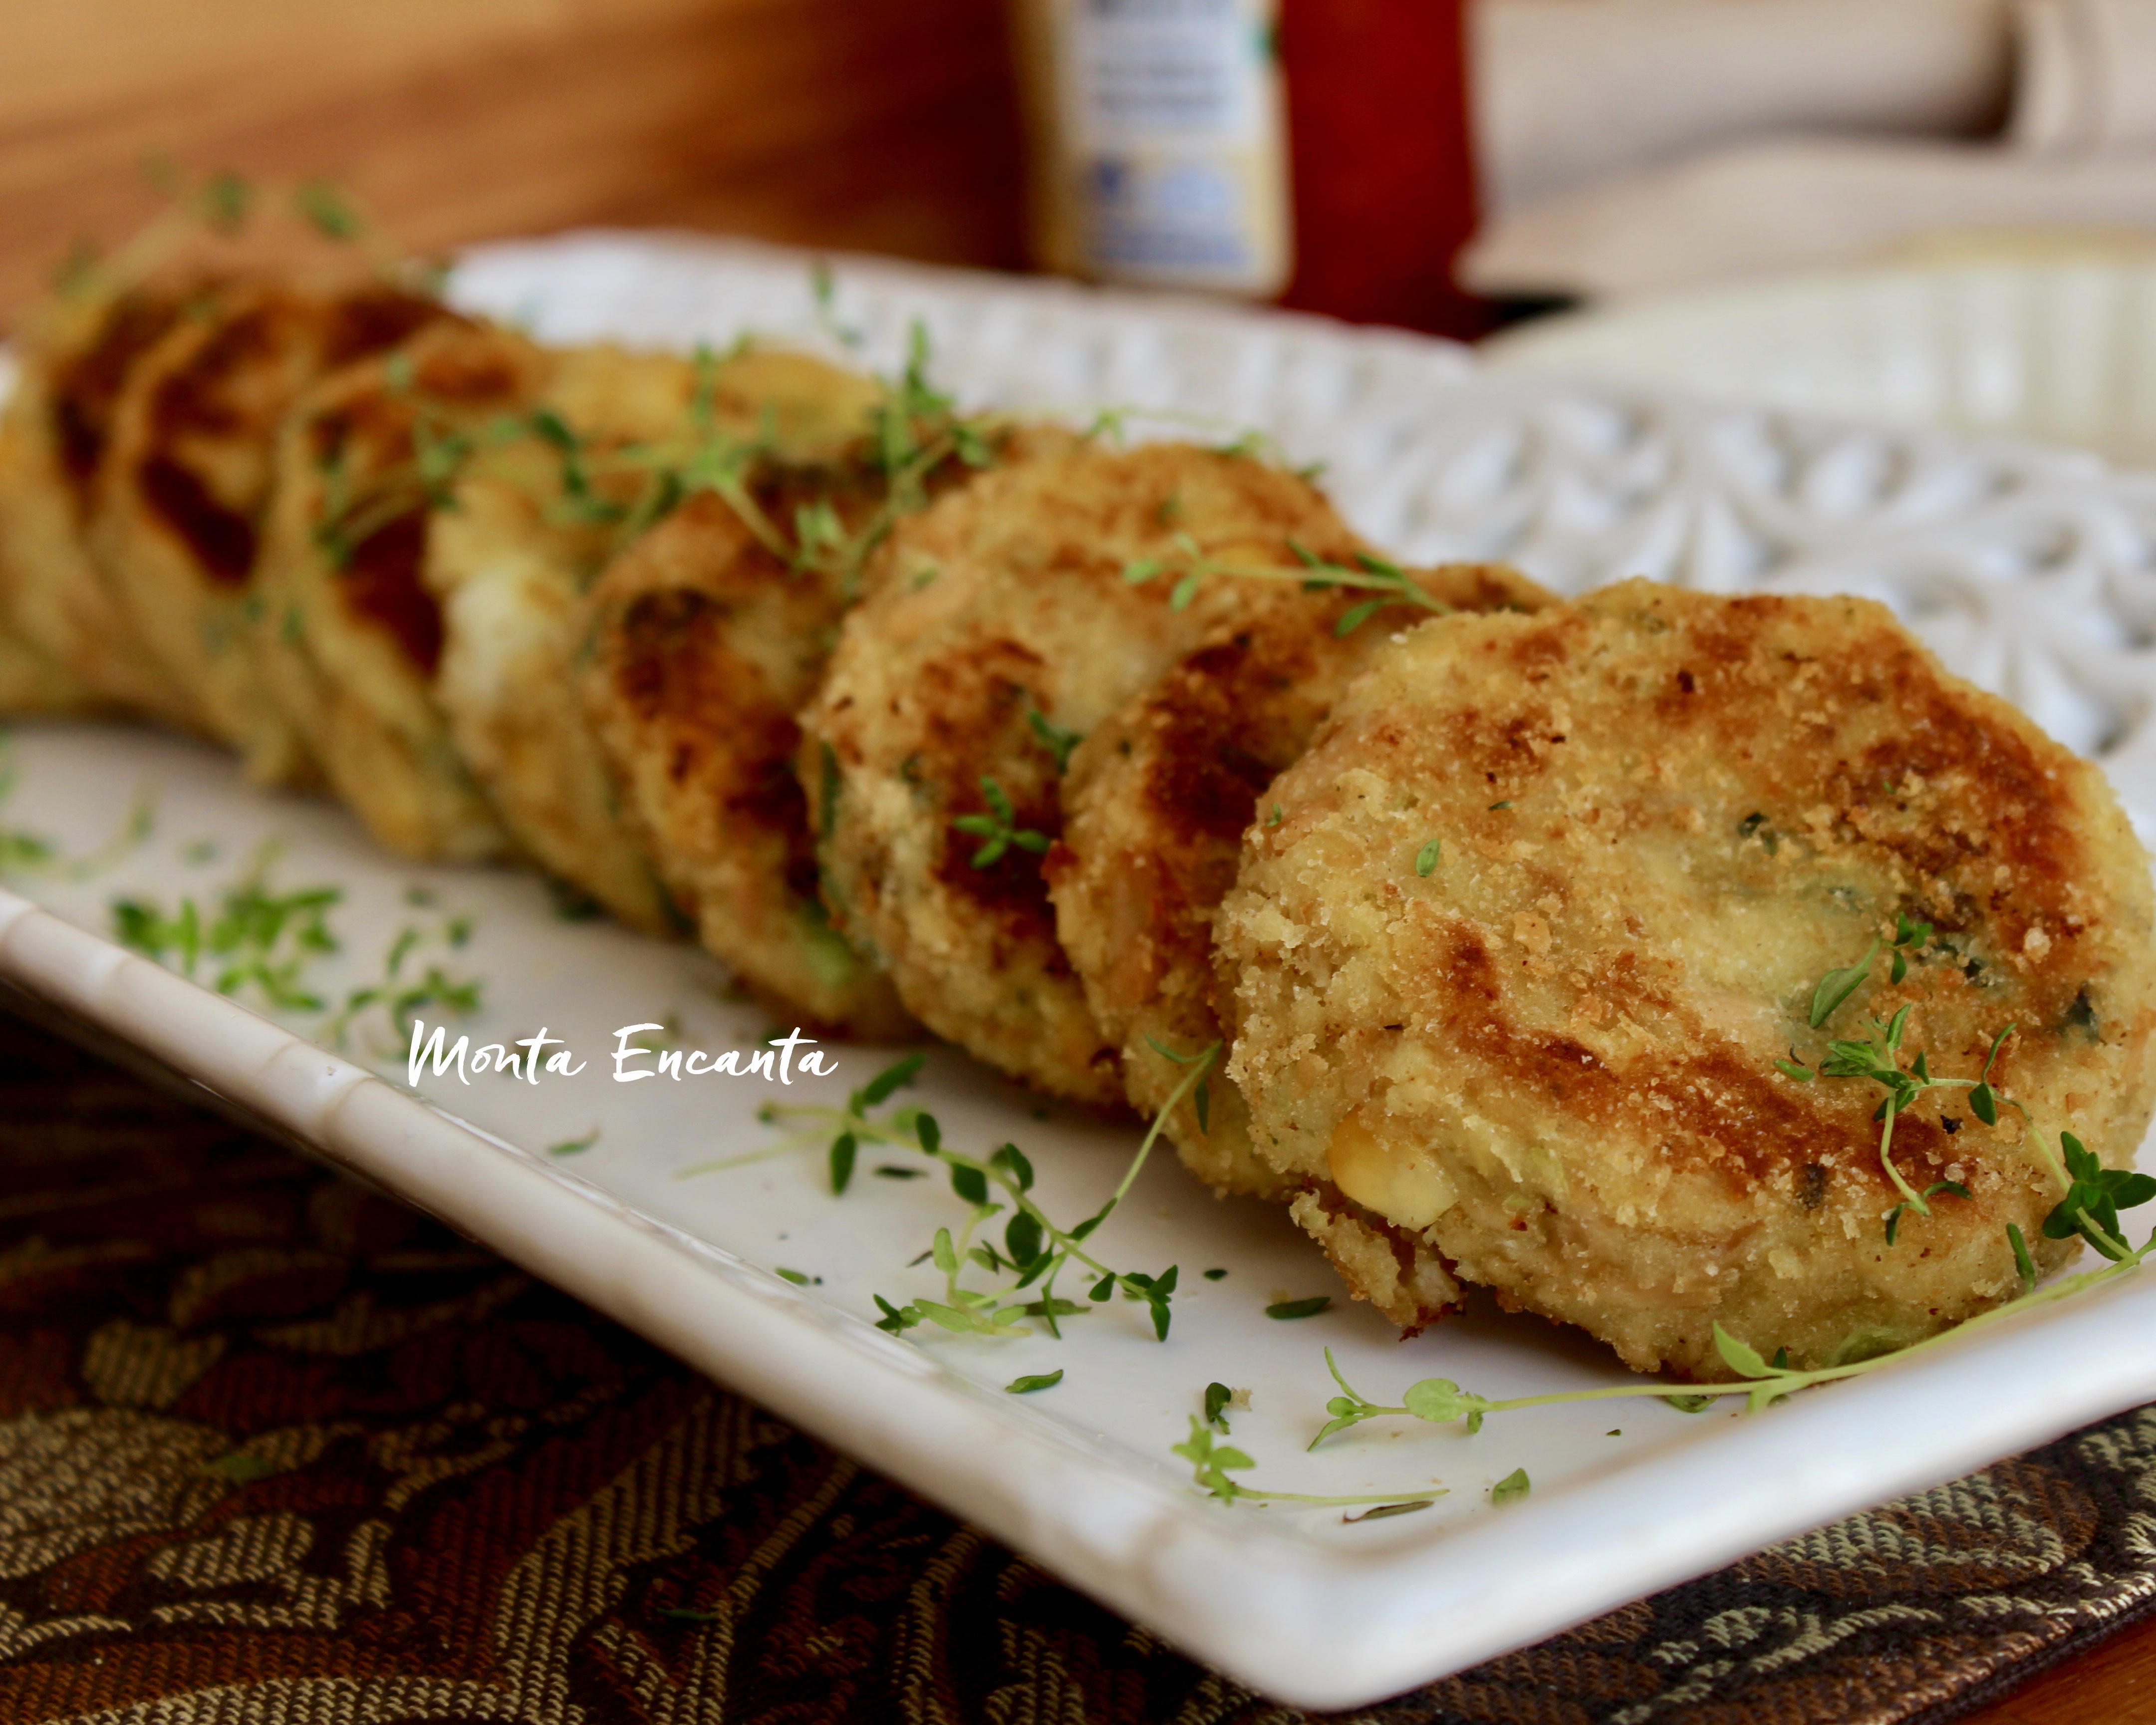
(2059, 352)
(2030, 570)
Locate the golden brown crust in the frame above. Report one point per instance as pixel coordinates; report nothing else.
(702, 644)
(1664, 816)
(1007, 600)
(75, 367)
(511, 562)
(1156, 803)
(350, 642)
(179, 500)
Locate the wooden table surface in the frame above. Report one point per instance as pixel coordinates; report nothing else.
(852, 123)
(2114, 1683)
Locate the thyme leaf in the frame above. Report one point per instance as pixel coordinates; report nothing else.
(999, 828)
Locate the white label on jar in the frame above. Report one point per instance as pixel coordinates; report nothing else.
(1161, 69)
(1170, 162)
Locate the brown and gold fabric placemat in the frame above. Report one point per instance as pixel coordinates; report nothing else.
(275, 1449)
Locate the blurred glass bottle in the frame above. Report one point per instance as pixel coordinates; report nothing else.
(1159, 155)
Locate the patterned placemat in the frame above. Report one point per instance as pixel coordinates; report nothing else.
(274, 1448)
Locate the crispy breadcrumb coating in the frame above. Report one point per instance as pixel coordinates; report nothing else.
(1004, 620)
(75, 362)
(181, 494)
(350, 638)
(1550, 894)
(510, 562)
(1155, 805)
(703, 644)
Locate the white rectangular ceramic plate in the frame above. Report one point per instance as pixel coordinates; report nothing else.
(2030, 571)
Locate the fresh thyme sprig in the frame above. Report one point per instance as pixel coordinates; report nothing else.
(824, 290)
(26, 853)
(1192, 567)
(2091, 1196)
(1244, 443)
(1440, 1401)
(843, 1130)
(2095, 1195)
(627, 486)
(1212, 1460)
(1053, 738)
(1034, 1249)
(999, 828)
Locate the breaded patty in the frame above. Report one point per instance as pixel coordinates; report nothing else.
(510, 563)
(181, 494)
(1004, 625)
(1550, 894)
(350, 638)
(703, 646)
(33, 682)
(75, 363)
(1154, 806)
(704, 641)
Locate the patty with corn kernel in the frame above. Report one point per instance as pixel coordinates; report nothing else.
(1010, 618)
(1551, 896)
(1154, 807)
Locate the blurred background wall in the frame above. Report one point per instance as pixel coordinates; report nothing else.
(1538, 151)
(884, 126)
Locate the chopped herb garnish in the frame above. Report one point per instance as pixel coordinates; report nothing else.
(1511, 1488)
(1192, 567)
(999, 828)
(1211, 1462)
(1383, 1510)
(1299, 1308)
(329, 211)
(1426, 858)
(1441, 1401)
(1041, 1380)
(1058, 742)
(574, 1146)
(1034, 1249)
(261, 941)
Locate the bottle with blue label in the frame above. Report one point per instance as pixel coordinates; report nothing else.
(1159, 152)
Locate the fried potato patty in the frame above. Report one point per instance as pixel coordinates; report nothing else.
(1002, 625)
(1550, 894)
(350, 638)
(1154, 807)
(33, 682)
(533, 524)
(704, 644)
(76, 362)
(181, 494)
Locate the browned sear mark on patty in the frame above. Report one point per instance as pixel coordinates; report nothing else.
(86, 389)
(381, 583)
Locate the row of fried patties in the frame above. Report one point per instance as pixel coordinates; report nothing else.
(1470, 924)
